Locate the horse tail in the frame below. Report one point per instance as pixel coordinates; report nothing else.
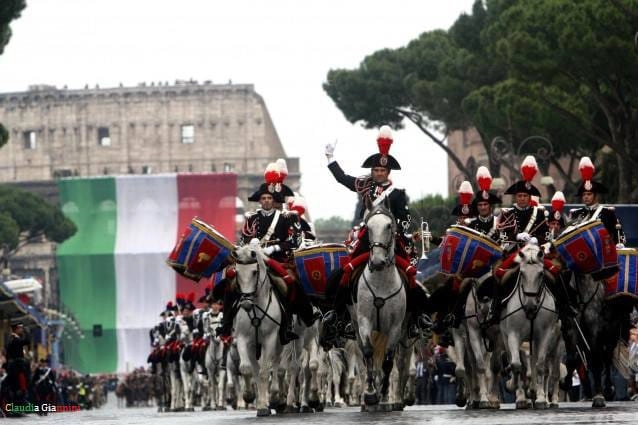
(379, 343)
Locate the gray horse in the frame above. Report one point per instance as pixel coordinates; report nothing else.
(530, 315)
(380, 308)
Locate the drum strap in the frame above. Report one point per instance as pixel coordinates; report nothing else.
(597, 212)
(271, 229)
(532, 220)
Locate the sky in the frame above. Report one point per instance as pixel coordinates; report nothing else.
(284, 47)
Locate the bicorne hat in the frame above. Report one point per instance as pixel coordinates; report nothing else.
(275, 174)
(528, 171)
(587, 169)
(484, 180)
(383, 158)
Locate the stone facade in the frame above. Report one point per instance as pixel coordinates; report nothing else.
(153, 128)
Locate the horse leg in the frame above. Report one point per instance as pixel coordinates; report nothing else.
(544, 342)
(479, 356)
(387, 366)
(337, 372)
(597, 371)
(247, 367)
(293, 373)
(370, 396)
(513, 349)
(459, 372)
(313, 367)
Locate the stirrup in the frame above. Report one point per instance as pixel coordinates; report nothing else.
(330, 317)
(424, 322)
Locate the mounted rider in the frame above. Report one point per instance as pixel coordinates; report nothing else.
(518, 225)
(588, 191)
(374, 189)
(278, 236)
(484, 222)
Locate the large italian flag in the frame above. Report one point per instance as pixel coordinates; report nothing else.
(112, 272)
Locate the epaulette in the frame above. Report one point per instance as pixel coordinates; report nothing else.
(470, 220)
(609, 208)
(249, 214)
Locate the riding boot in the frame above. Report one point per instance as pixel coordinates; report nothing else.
(494, 313)
(226, 328)
(334, 322)
(285, 329)
(417, 304)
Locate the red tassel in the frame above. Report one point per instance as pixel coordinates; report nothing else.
(465, 198)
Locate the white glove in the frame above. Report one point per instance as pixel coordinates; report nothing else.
(620, 246)
(270, 249)
(330, 150)
(523, 237)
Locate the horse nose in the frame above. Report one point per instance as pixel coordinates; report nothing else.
(377, 265)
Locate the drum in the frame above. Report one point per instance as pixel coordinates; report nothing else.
(588, 248)
(624, 283)
(468, 253)
(200, 251)
(314, 264)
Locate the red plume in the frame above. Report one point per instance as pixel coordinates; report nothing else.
(484, 178)
(272, 173)
(529, 168)
(586, 168)
(558, 201)
(384, 140)
(191, 297)
(465, 193)
(283, 169)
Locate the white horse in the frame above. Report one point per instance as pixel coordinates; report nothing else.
(301, 360)
(478, 348)
(187, 375)
(380, 308)
(257, 327)
(530, 315)
(213, 361)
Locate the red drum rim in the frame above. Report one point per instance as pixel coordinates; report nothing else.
(211, 231)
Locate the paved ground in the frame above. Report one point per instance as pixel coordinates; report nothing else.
(568, 413)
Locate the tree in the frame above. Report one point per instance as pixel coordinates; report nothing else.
(9, 10)
(331, 224)
(26, 217)
(435, 210)
(572, 70)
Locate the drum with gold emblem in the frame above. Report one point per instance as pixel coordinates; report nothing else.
(467, 253)
(315, 263)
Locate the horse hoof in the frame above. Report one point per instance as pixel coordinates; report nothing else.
(305, 409)
(475, 404)
(263, 412)
(206, 408)
(397, 407)
(371, 399)
(409, 401)
(319, 408)
(521, 404)
(460, 401)
(540, 405)
(248, 397)
(495, 404)
(484, 404)
(370, 409)
(598, 402)
(553, 405)
(338, 405)
(291, 409)
(279, 408)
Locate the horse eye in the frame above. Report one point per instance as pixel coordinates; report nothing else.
(388, 226)
(254, 272)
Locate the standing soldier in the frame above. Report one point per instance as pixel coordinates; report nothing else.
(18, 368)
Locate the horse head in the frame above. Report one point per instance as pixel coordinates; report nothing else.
(531, 272)
(251, 272)
(381, 227)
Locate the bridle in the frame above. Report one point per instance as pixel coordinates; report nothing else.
(387, 246)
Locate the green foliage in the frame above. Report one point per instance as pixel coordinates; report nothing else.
(562, 70)
(331, 224)
(28, 216)
(9, 10)
(436, 211)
